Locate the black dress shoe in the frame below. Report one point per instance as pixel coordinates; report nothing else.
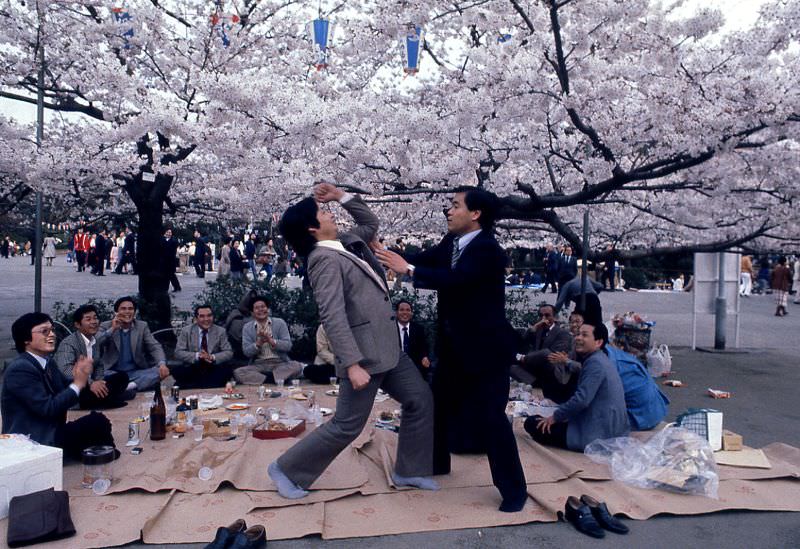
(254, 537)
(602, 516)
(581, 518)
(227, 534)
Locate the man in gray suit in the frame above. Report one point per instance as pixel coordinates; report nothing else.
(542, 339)
(354, 306)
(128, 346)
(204, 350)
(267, 342)
(105, 389)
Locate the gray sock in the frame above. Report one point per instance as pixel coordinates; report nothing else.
(286, 487)
(423, 483)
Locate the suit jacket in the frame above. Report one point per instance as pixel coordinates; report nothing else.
(540, 345)
(34, 403)
(200, 249)
(417, 343)
(471, 303)
(100, 245)
(169, 253)
(147, 352)
(353, 298)
(280, 333)
(551, 262)
(188, 344)
(70, 349)
(567, 267)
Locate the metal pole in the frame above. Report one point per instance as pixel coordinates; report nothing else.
(585, 255)
(720, 311)
(37, 244)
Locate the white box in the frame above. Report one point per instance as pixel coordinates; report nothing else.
(27, 468)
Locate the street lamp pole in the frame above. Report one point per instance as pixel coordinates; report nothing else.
(37, 241)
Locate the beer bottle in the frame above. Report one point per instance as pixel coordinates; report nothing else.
(158, 416)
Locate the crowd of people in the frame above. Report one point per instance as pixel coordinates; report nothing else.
(453, 394)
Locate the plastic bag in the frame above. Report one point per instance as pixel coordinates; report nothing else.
(294, 410)
(674, 459)
(659, 361)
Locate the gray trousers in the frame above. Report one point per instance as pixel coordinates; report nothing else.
(146, 380)
(304, 462)
(255, 373)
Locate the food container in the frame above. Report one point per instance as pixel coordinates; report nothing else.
(97, 465)
(293, 427)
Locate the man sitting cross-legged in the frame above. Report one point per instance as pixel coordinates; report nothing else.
(354, 306)
(597, 409)
(204, 350)
(267, 342)
(128, 346)
(36, 395)
(105, 389)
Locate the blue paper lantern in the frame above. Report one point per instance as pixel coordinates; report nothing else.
(121, 16)
(413, 49)
(321, 31)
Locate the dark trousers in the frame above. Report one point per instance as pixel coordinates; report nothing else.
(90, 430)
(127, 259)
(173, 278)
(485, 395)
(200, 267)
(201, 376)
(99, 264)
(557, 436)
(593, 311)
(320, 374)
(551, 387)
(116, 383)
(550, 281)
(607, 275)
(80, 256)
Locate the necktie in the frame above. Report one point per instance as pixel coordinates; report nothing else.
(204, 341)
(456, 253)
(405, 339)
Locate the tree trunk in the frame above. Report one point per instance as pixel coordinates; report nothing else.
(153, 286)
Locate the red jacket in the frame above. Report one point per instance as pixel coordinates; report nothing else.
(82, 242)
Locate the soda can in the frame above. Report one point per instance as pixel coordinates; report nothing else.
(195, 402)
(262, 392)
(176, 393)
(133, 433)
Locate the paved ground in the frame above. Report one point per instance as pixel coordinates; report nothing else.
(764, 383)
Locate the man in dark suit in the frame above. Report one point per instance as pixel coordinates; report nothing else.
(199, 255)
(475, 343)
(169, 254)
(550, 269)
(128, 254)
(567, 267)
(413, 338)
(100, 242)
(541, 340)
(205, 352)
(36, 396)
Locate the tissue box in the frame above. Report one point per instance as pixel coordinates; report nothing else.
(27, 468)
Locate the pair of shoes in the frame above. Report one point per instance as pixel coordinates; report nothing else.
(590, 517)
(239, 536)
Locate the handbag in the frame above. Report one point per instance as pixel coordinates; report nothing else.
(38, 517)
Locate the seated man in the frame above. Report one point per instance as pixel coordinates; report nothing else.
(36, 396)
(323, 368)
(235, 322)
(597, 409)
(205, 351)
(128, 346)
(107, 389)
(267, 342)
(571, 291)
(543, 339)
(413, 339)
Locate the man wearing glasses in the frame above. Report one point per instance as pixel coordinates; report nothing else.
(36, 395)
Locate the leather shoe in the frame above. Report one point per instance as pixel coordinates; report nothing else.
(602, 516)
(254, 537)
(227, 534)
(581, 518)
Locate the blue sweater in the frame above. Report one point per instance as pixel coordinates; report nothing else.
(597, 409)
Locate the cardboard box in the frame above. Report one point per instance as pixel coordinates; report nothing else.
(731, 441)
(26, 468)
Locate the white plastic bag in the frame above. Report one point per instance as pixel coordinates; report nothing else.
(674, 459)
(659, 361)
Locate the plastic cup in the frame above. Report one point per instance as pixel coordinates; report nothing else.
(205, 473)
(235, 425)
(101, 486)
(295, 384)
(279, 384)
(198, 432)
(333, 380)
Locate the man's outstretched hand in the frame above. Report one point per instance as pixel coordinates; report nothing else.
(392, 261)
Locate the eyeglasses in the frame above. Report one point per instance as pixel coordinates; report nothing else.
(45, 331)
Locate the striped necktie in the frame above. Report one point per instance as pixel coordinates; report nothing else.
(456, 253)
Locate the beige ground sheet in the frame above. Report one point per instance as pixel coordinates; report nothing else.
(157, 496)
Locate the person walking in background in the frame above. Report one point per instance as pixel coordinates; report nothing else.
(796, 280)
(250, 255)
(746, 276)
(49, 249)
(237, 261)
(781, 279)
(224, 268)
(81, 246)
(200, 249)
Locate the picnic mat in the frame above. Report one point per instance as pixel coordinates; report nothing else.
(157, 496)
